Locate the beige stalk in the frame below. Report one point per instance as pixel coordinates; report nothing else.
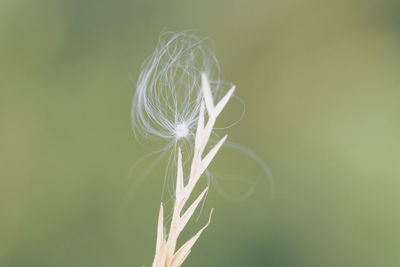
(166, 253)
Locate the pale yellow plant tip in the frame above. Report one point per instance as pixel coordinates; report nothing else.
(166, 254)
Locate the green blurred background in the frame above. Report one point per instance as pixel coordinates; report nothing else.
(321, 81)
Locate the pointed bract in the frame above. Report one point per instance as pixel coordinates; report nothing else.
(160, 229)
(200, 125)
(189, 212)
(209, 157)
(182, 253)
(208, 99)
(179, 176)
(222, 103)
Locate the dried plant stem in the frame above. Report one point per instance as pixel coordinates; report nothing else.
(166, 254)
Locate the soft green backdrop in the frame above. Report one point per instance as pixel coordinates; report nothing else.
(321, 81)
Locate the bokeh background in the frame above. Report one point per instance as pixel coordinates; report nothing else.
(321, 82)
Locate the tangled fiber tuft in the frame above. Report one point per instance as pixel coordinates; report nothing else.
(168, 92)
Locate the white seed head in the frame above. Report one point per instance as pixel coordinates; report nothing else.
(168, 93)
